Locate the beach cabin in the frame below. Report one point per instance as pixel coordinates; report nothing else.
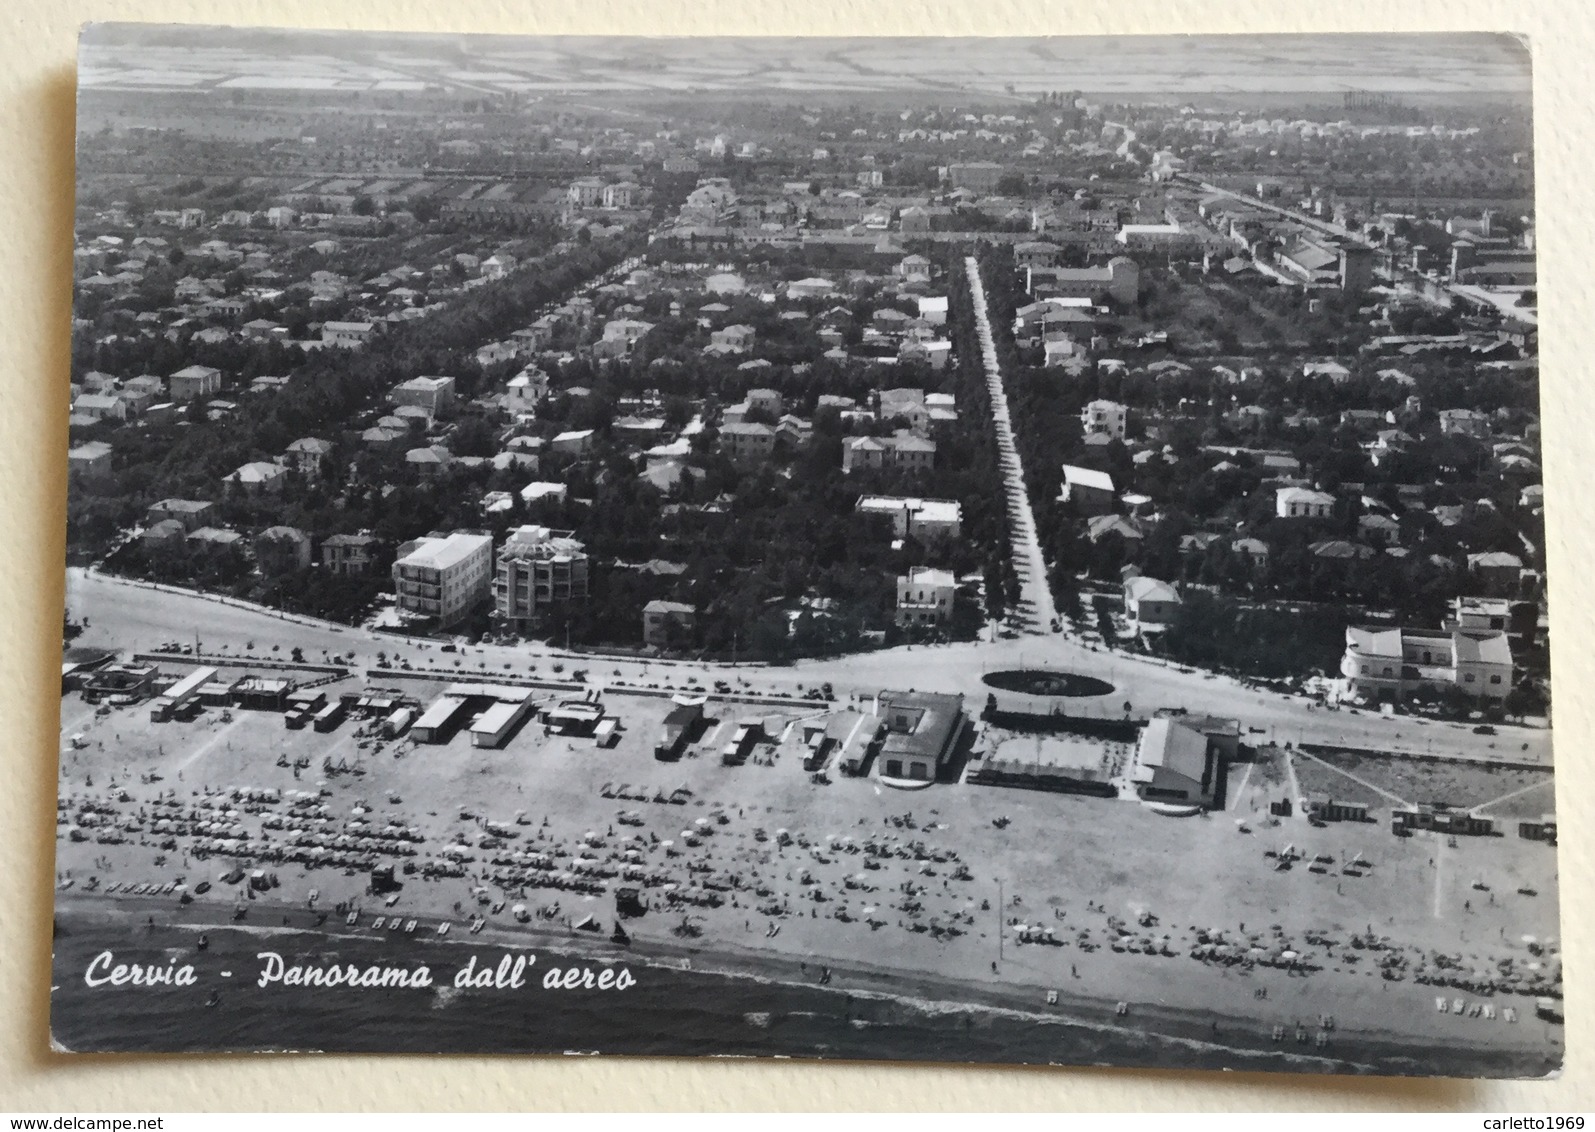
(180, 694)
(330, 716)
(736, 752)
(685, 720)
(574, 717)
(493, 727)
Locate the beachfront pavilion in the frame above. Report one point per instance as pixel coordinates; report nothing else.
(1175, 763)
(922, 730)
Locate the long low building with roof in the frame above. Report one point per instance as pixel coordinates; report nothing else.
(1119, 279)
(924, 519)
(491, 712)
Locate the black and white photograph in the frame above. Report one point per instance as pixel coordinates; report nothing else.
(1007, 551)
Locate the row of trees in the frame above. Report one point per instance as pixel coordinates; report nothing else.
(1208, 499)
(776, 559)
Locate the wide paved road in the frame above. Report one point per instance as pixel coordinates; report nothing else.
(1035, 593)
(126, 616)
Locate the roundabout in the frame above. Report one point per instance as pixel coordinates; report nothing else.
(1048, 682)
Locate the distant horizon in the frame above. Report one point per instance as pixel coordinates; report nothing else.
(175, 57)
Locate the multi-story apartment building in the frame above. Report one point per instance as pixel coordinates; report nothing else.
(444, 577)
(538, 568)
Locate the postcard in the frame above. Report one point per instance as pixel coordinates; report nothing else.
(958, 550)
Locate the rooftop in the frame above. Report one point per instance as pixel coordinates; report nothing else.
(1142, 588)
(930, 576)
(919, 723)
(446, 552)
(427, 383)
(532, 541)
(1074, 476)
(925, 510)
(1172, 746)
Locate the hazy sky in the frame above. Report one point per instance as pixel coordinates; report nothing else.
(154, 56)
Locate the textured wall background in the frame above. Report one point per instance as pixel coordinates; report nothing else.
(37, 46)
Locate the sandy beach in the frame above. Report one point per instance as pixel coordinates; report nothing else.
(757, 870)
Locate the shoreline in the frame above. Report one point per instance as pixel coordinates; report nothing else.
(1239, 1043)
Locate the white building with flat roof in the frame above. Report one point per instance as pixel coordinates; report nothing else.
(1105, 417)
(1391, 664)
(1482, 613)
(925, 596)
(539, 490)
(925, 519)
(444, 577)
(1153, 235)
